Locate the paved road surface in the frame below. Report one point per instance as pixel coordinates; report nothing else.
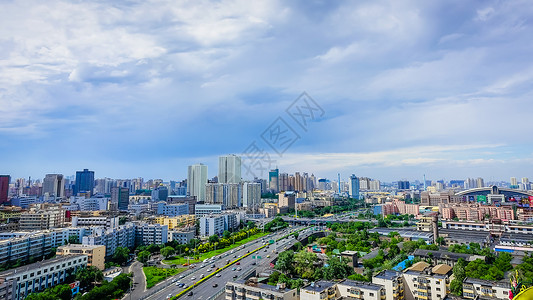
(206, 289)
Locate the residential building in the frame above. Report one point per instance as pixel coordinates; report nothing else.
(8, 212)
(353, 188)
(24, 201)
(229, 169)
(251, 195)
(287, 199)
(211, 225)
(120, 197)
(183, 237)
(84, 182)
(111, 238)
(196, 181)
(319, 290)
(425, 282)
(251, 289)
(38, 218)
(208, 209)
(191, 201)
(147, 234)
(393, 283)
(108, 222)
(273, 180)
(172, 210)
(176, 222)
(474, 288)
(351, 289)
(93, 203)
(95, 253)
(4, 188)
(54, 185)
(36, 277)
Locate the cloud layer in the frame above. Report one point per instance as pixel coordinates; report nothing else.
(144, 88)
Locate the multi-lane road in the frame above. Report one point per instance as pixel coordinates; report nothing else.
(215, 284)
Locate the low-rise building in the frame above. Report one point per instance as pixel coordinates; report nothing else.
(319, 290)
(393, 283)
(147, 234)
(111, 238)
(208, 209)
(474, 288)
(108, 222)
(182, 237)
(95, 253)
(250, 289)
(36, 277)
(176, 222)
(425, 282)
(351, 289)
(41, 219)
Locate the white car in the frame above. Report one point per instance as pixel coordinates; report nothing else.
(217, 275)
(193, 278)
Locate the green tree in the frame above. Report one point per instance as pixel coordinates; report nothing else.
(73, 239)
(121, 255)
(122, 220)
(251, 224)
(88, 276)
(63, 291)
(304, 264)
(226, 234)
(440, 241)
(167, 251)
(285, 261)
(337, 268)
(143, 256)
(213, 239)
(298, 246)
(456, 286)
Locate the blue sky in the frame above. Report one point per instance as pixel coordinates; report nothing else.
(145, 88)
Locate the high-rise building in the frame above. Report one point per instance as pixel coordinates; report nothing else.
(284, 182)
(403, 185)
(196, 181)
(84, 182)
(525, 183)
(54, 185)
(4, 188)
(353, 188)
(480, 182)
(229, 169)
(251, 195)
(514, 183)
(120, 196)
(273, 180)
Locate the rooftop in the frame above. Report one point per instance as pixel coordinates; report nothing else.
(490, 283)
(362, 284)
(388, 275)
(419, 266)
(262, 286)
(319, 286)
(441, 269)
(40, 264)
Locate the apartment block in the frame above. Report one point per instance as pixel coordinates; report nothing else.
(95, 253)
(34, 278)
(109, 222)
(111, 238)
(351, 289)
(208, 209)
(147, 234)
(176, 222)
(425, 282)
(250, 289)
(182, 237)
(319, 290)
(474, 288)
(393, 283)
(40, 219)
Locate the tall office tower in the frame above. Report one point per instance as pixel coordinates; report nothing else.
(525, 183)
(4, 188)
(54, 185)
(353, 187)
(273, 180)
(292, 183)
(229, 169)
(305, 182)
(514, 183)
(251, 195)
(120, 196)
(470, 183)
(403, 185)
(84, 182)
(263, 183)
(375, 185)
(480, 182)
(196, 181)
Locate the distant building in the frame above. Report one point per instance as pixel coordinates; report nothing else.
(287, 199)
(216, 224)
(172, 210)
(4, 188)
(84, 182)
(42, 219)
(208, 209)
(120, 196)
(182, 237)
(95, 254)
(273, 180)
(251, 195)
(148, 234)
(196, 181)
(403, 185)
(229, 169)
(252, 289)
(176, 222)
(353, 188)
(54, 185)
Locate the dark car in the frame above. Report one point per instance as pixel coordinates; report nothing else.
(235, 276)
(215, 285)
(190, 294)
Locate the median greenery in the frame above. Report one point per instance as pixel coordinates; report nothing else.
(155, 275)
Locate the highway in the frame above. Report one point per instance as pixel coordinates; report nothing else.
(216, 283)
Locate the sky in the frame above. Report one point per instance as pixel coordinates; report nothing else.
(393, 89)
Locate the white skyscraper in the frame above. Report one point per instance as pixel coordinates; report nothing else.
(514, 182)
(196, 181)
(229, 169)
(251, 195)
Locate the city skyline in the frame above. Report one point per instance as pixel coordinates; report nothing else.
(146, 89)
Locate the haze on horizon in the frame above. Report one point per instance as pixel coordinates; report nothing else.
(146, 88)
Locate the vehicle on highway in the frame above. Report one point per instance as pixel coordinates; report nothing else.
(217, 274)
(268, 256)
(235, 276)
(208, 270)
(254, 263)
(202, 276)
(238, 263)
(190, 294)
(193, 278)
(239, 268)
(215, 285)
(169, 296)
(233, 269)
